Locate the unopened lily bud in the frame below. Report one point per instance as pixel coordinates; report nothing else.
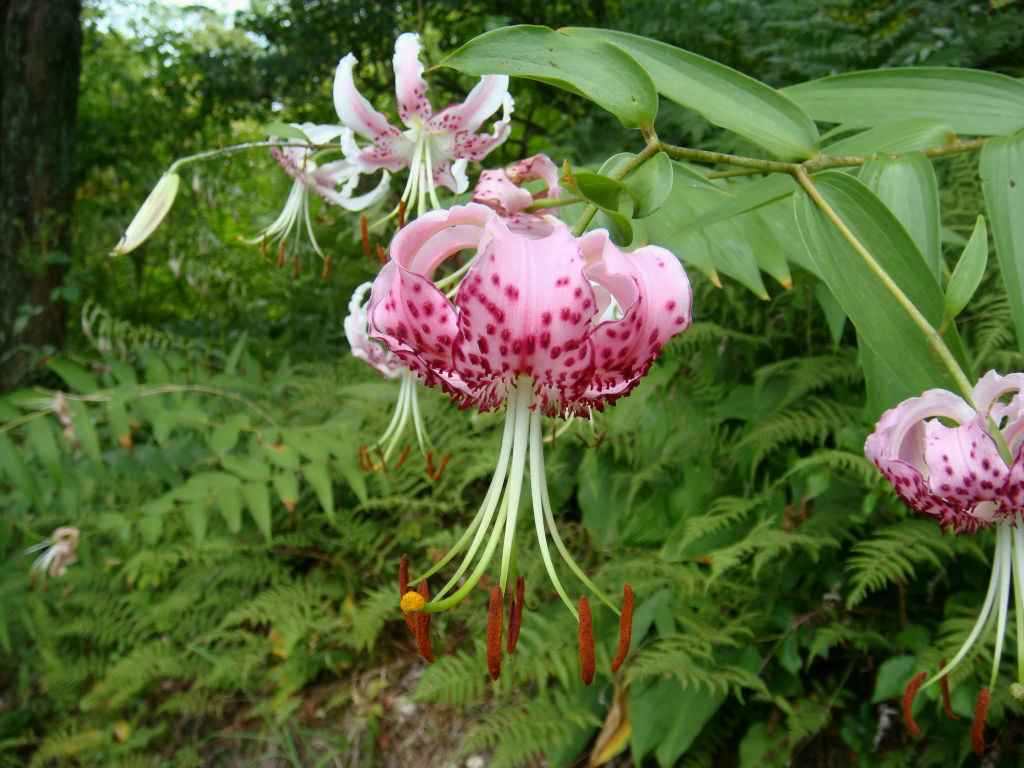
(152, 212)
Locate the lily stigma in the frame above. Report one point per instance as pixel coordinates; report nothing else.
(544, 324)
(435, 147)
(969, 476)
(300, 163)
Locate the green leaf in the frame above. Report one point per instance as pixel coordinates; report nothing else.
(967, 100)
(196, 520)
(283, 131)
(649, 184)
(593, 69)
(903, 348)
(287, 487)
(835, 318)
(601, 190)
(893, 138)
(85, 431)
(740, 198)
(257, 498)
(970, 269)
(74, 375)
(119, 427)
(724, 96)
(248, 467)
(151, 529)
(1002, 179)
(229, 502)
(13, 464)
(225, 435)
(42, 442)
(231, 364)
(317, 476)
(666, 718)
(893, 676)
(619, 227)
(908, 187)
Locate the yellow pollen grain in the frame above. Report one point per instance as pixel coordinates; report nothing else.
(412, 602)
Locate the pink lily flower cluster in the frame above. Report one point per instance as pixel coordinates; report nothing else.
(968, 476)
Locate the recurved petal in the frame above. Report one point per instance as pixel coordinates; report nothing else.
(526, 308)
(963, 463)
(356, 202)
(413, 318)
(410, 87)
(651, 287)
(992, 386)
(536, 167)
(372, 352)
(482, 102)
(899, 434)
(496, 190)
(424, 243)
(354, 110)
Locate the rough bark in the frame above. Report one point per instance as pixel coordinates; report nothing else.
(40, 59)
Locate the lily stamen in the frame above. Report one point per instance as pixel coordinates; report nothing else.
(365, 232)
(909, 694)
(944, 685)
(586, 642)
(625, 627)
(515, 618)
(495, 619)
(978, 724)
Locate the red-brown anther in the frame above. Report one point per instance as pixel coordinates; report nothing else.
(908, 702)
(295, 266)
(403, 587)
(280, 255)
(383, 461)
(625, 627)
(401, 213)
(515, 616)
(401, 459)
(422, 628)
(365, 231)
(382, 254)
(364, 458)
(586, 640)
(327, 267)
(944, 685)
(978, 726)
(495, 619)
(430, 465)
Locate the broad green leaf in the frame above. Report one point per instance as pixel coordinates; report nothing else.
(835, 317)
(44, 445)
(317, 476)
(119, 427)
(969, 271)
(649, 184)
(163, 423)
(892, 678)
(248, 467)
(287, 487)
(281, 454)
(196, 519)
(907, 186)
(969, 101)
(257, 498)
(229, 502)
(601, 190)
(13, 464)
(231, 364)
(205, 485)
(354, 476)
(74, 375)
(594, 69)
(306, 443)
(724, 96)
(619, 227)
(1002, 179)
(85, 431)
(283, 131)
(224, 436)
(892, 138)
(742, 197)
(151, 529)
(883, 323)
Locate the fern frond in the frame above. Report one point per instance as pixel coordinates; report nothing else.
(893, 553)
(766, 541)
(453, 679)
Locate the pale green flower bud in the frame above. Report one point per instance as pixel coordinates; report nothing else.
(152, 212)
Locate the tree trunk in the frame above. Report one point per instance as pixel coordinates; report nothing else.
(40, 59)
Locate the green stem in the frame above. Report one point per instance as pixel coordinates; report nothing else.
(934, 340)
(238, 148)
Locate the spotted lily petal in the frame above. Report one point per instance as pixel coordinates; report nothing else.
(354, 110)
(410, 87)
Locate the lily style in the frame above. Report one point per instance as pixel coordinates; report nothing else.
(963, 464)
(334, 182)
(543, 324)
(388, 365)
(435, 147)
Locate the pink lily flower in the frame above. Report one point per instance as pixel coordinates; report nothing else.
(435, 147)
(388, 365)
(543, 323)
(324, 180)
(503, 191)
(968, 476)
